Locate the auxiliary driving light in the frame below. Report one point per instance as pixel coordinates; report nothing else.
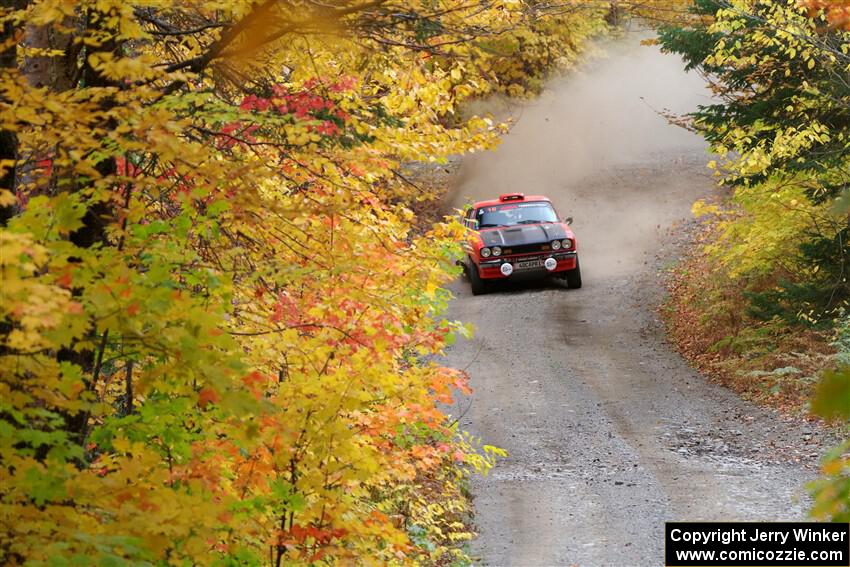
(550, 264)
(507, 269)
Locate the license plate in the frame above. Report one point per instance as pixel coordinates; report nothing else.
(529, 265)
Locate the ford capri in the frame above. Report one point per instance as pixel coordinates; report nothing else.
(518, 237)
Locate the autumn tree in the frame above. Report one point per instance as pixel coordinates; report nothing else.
(782, 117)
(216, 324)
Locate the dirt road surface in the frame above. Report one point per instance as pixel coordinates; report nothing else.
(609, 432)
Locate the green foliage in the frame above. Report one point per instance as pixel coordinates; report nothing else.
(693, 43)
(783, 129)
(832, 398)
(842, 341)
(783, 109)
(784, 253)
(820, 291)
(832, 491)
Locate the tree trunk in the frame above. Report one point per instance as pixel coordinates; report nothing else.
(54, 73)
(57, 74)
(8, 139)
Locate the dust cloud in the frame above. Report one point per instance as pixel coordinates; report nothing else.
(595, 143)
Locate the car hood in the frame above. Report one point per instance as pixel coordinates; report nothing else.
(524, 234)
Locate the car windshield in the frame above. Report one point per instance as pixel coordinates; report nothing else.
(511, 214)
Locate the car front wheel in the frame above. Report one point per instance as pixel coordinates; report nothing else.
(573, 277)
(478, 285)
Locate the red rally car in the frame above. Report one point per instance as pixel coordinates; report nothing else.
(519, 236)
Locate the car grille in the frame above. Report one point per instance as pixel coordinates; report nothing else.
(526, 248)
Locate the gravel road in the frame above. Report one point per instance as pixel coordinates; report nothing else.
(610, 433)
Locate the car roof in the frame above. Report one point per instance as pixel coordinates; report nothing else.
(526, 198)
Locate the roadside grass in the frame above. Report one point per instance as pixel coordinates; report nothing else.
(768, 362)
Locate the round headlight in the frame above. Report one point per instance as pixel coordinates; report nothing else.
(556, 245)
(485, 252)
(496, 251)
(567, 243)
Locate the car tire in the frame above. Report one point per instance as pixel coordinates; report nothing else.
(573, 277)
(476, 283)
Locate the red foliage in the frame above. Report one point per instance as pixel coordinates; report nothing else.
(207, 396)
(837, 11)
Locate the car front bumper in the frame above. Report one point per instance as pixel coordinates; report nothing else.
(491, 268)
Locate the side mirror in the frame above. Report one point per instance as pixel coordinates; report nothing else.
(473, 224)
(568, 220)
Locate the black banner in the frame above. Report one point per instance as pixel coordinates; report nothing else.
(756, 544)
